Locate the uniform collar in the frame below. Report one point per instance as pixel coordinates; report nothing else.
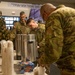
(35, 29)
(60, 6)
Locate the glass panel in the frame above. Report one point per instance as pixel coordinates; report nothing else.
(11, 25)
(7, 25)
(6, 18)
(11, 22)
(11, 18)
(7, 22)
(15, 18)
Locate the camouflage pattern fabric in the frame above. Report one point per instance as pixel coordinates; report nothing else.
(59, 44)
(19, 28)
(4, 33)
(65, 72)
(41, 25)
(39, 34)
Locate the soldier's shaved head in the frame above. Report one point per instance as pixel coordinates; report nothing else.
(46, 9)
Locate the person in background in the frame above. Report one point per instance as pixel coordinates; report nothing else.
(59, 41)
(35, 29)
(20, 27)
(14, 23)
(4, 33)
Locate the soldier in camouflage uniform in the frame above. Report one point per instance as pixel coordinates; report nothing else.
(37, 30)
(4, 33)
(59, 44)
(20, 27)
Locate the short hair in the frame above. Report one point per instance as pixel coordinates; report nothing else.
(29, 20)
(47, 7)
(22, 12)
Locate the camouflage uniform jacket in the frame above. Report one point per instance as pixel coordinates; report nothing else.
(60, 39)
(41, 25)
(19, 28)
(4, 33)
(39, 34)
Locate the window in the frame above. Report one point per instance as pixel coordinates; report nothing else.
(9, 20)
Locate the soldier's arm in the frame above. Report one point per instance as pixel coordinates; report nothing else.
(52, 48)
(53, 39)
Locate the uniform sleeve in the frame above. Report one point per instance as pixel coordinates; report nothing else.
(52, 48)
(13, 32)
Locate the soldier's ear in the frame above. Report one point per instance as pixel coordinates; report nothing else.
(45, 13)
